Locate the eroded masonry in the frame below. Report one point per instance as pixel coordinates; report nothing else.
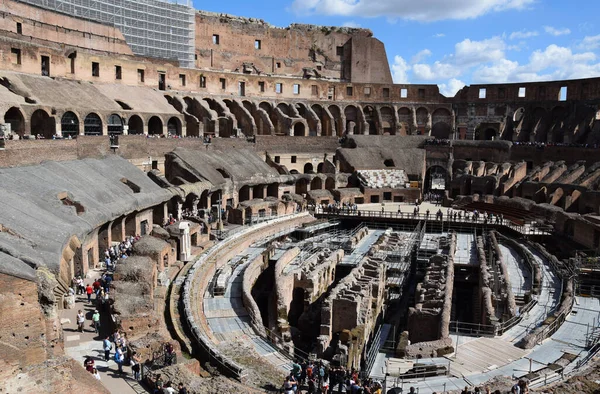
(258, 197)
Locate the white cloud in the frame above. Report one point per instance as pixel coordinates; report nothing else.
(431, 10)
(420, 56)
(400, 70)
(435, 71)
(470, 52)
(450, 88)
(439, 35)
(552, 63)
(351, 24)
(557, 32)
(590, 43)
(523, 34)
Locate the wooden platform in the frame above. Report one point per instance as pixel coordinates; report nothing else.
(483, 355)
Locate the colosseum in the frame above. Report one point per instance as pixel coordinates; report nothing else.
(233, 207)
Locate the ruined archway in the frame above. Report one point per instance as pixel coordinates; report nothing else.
(299, 130)
(405, 120)
(316, 183)
(92, 125)
(115, 124)
(352, 124)
(336, 114)
(42, 124)
(308, 168)
(388, 123)
(435, 179)
(301, 186)
(69, 124)
(422, 120)
(155, 126)
(135, 125)
(174, 126)
(15, 118)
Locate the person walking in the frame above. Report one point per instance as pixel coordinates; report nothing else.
(135, 365)
(80, 320)
(89, 290)
(96, 321)
(119, 359)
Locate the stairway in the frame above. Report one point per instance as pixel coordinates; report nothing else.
(60, 290)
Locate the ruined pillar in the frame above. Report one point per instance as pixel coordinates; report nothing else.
(195, 203)
(179, 210)
(185, 243)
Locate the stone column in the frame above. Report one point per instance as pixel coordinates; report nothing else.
(195, 206)
(185, 241)
(179, 210)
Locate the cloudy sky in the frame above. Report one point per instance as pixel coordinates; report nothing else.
(456, 42)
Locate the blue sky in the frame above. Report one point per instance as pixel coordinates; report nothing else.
(456, 42)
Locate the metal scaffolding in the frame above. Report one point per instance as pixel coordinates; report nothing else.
(155, 28)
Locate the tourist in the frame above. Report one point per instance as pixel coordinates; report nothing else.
(168, 388)
(135, 365)
(119, 359)
(169, 353)
(288, 386)
(182, 389)
(80, 320)
(96, 373)
(89, 364)
(89, 290)
(107, 346)
(96, 321)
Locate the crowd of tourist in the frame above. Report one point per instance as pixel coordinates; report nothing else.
(116, 253)
(542, 145)
(435, 141)
(319, 378)
(336, 207)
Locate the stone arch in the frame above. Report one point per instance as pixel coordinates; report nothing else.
(285, 109)
(244, 193)
(43, 124)
(301, 186)
(243, 116)
(441, 130)
(539, 129)
(422, 115)
(388, 121)
(327, 121)
(299, 129)
(308, 168)
(135, 125)
(174, 126)
(489, 134)
(69, 124)
(372, 119)
(115, 124)
(155, 126)
(352, 121)
(313, 121)
(336, 114)
(316, 183)
(92, 124)
(436, 178)
(270, 111)
(15, 118)
(330, 183)
(558, 117)
(405, 120)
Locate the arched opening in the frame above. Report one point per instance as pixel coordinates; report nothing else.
(316, 184)
(489, 134)
(258, 191)
(388, 124)
(69, 125)
(301, 186)
(204, 200)
(92, 125)
(15, 118)
(42, 124)
(115, 124)
(308, 168)
(285, 108)
(435, 179)
(441, 131)
(422, 120)
(174, 126)
(320, 168)
(299, 130)
(136, 125)
(244, 194)
(155, 126)
(352, 125)
(405, 120)
(225, 127)
(371, 119)
(330, 184)
(336, 114)
(389, 163)
(273, 190)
